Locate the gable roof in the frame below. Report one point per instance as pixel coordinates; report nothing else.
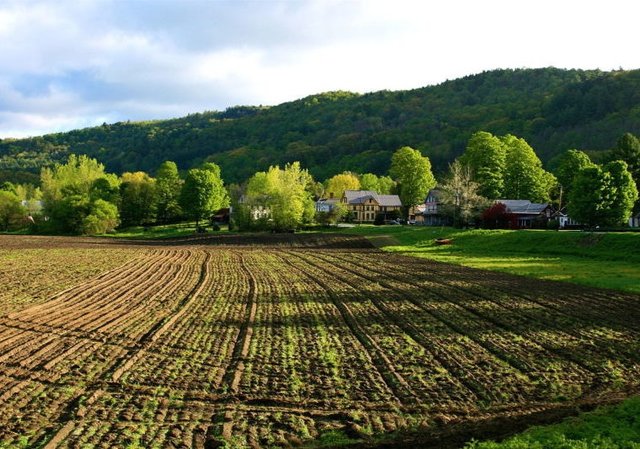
(524, 206)
(362, 196)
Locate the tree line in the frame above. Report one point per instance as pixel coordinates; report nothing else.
(333, 132)
(81, 197)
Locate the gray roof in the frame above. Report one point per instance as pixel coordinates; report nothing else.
(362, 196)
(523, 206)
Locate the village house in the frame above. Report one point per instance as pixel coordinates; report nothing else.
(365, 205)
(527, 214)
(430, 213)
(326, 204)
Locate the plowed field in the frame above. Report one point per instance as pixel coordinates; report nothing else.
(278, 341)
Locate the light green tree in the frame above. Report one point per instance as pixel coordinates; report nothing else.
(12, 214)
(485, 156)
(280, 198)
(336, 185)
(459, 195)
(603, 195)
(69, 191)
(381, 184)
(168, 187)
(203, 192)
(624, 192)
(102, 218)
(412, 171)
(137, 198)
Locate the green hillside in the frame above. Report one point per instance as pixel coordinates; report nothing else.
(552, 109)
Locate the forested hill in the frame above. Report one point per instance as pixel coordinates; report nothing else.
(552, 109)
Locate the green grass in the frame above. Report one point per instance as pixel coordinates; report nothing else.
(606, 428)
(158, 232)
(608, 260)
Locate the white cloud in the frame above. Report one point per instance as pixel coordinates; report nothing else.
(67, 62)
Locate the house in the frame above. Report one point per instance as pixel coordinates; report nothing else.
(527, 214)
(634, 221)
(221, 216)
(564, 220)
(364, 205)
(326, 204)
(256, 211)
(430, 213)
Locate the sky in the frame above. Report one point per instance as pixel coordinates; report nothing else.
(68, 64)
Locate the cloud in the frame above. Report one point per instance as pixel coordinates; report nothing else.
(67, 62)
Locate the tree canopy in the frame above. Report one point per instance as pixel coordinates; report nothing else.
(412, 171)
(75, 194)
(336, 185)
(329, 133)
(279, 197)
(603, 196)
(203, 192)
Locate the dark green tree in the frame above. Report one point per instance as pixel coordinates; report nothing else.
(203, 192)
(412, 171)
(485, 156)
(569, 165)
(137, 199)
(628, 149)
(168, 186)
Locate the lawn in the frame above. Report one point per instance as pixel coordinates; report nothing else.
(608, 260)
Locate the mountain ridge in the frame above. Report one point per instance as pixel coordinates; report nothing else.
(553, 109)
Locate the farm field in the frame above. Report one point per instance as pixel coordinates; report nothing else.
(288, 340)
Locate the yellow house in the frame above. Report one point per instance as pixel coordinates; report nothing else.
(364, 205)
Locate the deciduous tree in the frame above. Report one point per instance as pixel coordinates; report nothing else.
(168, 187)
(412, 172)
(203, 192)
(11, 211)
(485, 156)
(336, 185)
(70, 190)
(137, 198)
(381, 184)
(283, 194)
(569, 165)
(460, 196)
(603, 195)
(524, 177)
